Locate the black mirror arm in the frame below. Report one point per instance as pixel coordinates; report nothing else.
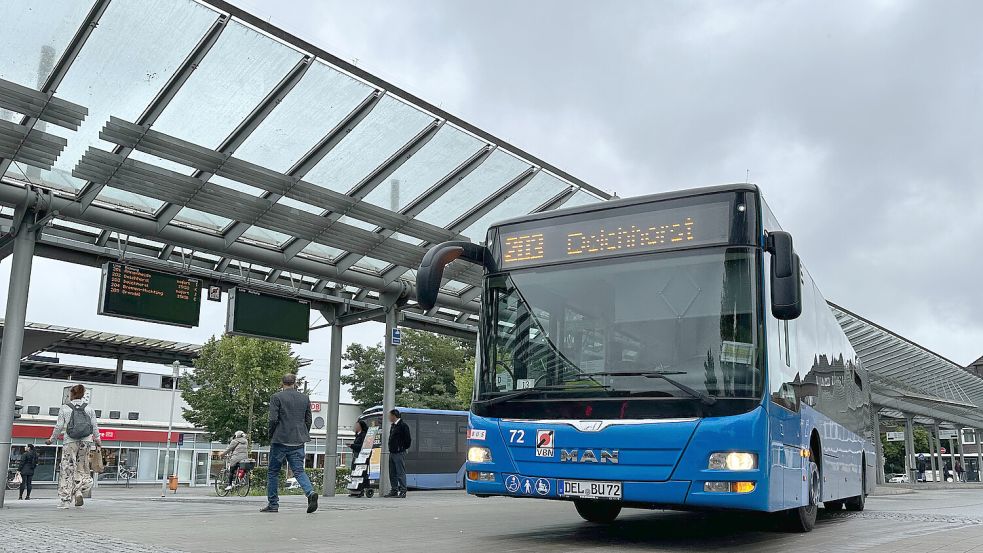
(431, 270)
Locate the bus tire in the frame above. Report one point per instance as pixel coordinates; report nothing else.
(856, 503)
(600, 512)
(803, 519)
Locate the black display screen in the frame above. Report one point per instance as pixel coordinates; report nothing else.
(637, 229)
(267, 316)
(137, 293)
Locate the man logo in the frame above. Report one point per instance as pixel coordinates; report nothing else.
(574, 456)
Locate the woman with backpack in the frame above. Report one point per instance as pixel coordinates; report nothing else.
(77, 421)
(28, 462)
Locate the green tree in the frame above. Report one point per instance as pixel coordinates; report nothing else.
(230, 386)
(894, 451)
(426, 371)
(464, 381)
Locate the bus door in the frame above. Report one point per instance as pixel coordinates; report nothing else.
(787, 486)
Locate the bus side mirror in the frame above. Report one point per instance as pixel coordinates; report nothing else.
(786, 285)
(431, 270)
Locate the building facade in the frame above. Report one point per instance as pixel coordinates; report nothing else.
(133, 422)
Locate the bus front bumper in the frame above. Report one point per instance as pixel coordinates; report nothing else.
(670, 494)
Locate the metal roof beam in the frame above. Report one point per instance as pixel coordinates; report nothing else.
(91, 190)
(61, 67)
(246, 128)
(137, 225)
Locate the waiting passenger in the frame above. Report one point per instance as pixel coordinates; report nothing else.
(356, 446)
(28, 462)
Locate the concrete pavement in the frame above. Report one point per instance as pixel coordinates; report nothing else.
(435, 522)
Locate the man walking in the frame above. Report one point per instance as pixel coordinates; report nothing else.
(290, 424)
(399, 442)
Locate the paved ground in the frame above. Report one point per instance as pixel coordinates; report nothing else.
(434, 522)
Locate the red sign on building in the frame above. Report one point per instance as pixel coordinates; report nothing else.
(315, 407)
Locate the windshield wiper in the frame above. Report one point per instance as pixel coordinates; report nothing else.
(528, 391)
(707, 399)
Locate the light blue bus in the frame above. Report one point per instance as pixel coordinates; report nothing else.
(435, 460)
(664, 351)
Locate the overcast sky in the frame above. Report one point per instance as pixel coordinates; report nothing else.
(862, 123)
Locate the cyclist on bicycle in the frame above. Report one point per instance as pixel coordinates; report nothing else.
(236, 453)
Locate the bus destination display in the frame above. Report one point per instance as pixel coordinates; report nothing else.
(137, 293)
(653, 230)
(267, 316)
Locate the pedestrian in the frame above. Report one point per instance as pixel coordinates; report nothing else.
(921, 467)
(236, 453)
(959, 471)
(361, 428)
(399, 442)
(28, 462)
(947, 472)
(290, 426)
(77, 424)
(356, 446)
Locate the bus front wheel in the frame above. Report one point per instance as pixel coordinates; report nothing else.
(803, 519)
(597, 511)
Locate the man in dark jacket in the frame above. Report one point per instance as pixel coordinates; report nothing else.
(290, 424)
(399, 442)
(28, 462)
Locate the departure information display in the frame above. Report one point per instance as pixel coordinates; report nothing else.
(137, 293)
(266, 316)
(618, 234)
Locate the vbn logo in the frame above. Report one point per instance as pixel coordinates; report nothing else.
(573, 456)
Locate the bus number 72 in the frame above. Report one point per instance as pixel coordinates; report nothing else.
(517, 436)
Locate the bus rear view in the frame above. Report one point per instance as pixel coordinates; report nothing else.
(633, 353)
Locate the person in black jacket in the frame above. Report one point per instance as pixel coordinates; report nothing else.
(356, 446)
(28, 462)
(399, 442)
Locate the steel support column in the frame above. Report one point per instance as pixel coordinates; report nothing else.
(962, 451)
(388, 396)
(13, 331)
(331, 425)
(952, 460)
(119, 370)
(909, 448)
(979, 454)
(878, 448)
(933, 450)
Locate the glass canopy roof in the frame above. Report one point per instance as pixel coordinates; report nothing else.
(237, 139)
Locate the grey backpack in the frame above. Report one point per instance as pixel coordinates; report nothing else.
(79, 425)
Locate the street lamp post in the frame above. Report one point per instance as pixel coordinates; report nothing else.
(170, 427)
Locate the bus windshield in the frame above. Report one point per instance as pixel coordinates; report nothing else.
(633, 337)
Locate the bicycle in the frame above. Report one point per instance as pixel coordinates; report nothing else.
(241, 481)
(126, 473)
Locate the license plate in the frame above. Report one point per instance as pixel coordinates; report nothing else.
(591, 488)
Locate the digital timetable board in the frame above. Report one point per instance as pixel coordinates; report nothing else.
(138, 293)
(617, 234)
(267, 316)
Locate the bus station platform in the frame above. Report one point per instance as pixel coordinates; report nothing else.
(137, 520)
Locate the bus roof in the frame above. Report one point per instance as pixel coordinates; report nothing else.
(377, 410)
(630, 201)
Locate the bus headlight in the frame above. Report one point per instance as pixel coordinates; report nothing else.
(479, 455)
(733, 460)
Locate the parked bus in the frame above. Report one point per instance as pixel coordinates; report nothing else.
(664, 351)
(435, 460)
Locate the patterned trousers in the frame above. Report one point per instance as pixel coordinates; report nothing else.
(75, 478)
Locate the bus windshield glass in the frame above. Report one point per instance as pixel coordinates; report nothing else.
(653, 335)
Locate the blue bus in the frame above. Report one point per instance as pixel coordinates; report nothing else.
(435, 460)
(666, 351)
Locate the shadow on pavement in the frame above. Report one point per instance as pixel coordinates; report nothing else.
(679, 531)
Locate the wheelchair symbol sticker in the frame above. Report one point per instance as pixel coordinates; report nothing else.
(512, 483)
